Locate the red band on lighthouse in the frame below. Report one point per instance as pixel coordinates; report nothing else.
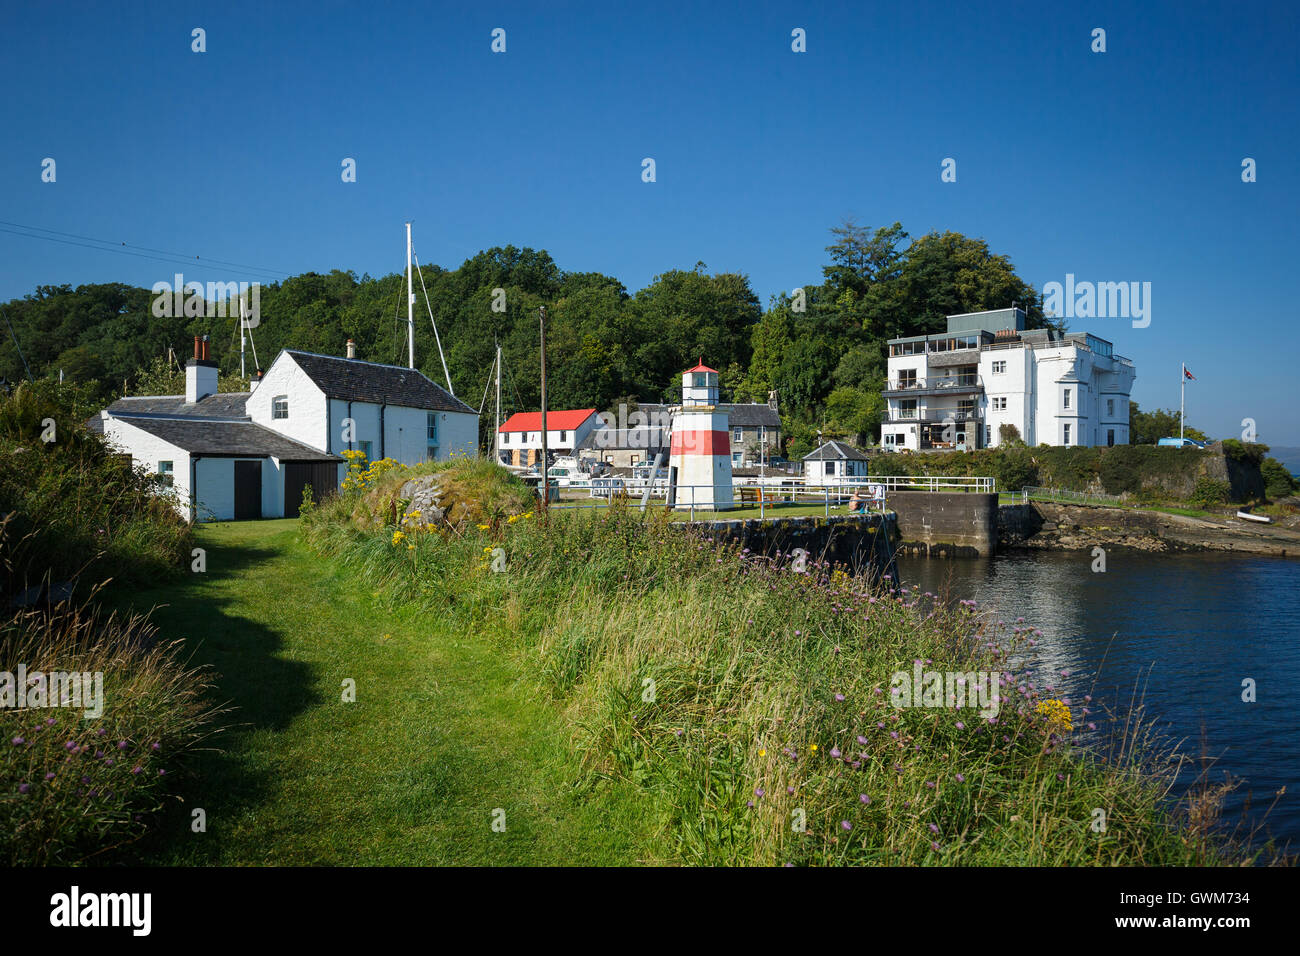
(701, 442)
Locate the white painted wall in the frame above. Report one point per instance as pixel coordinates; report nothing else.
(147, 451)
(307, 419)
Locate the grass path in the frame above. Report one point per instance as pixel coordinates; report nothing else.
(446, 728)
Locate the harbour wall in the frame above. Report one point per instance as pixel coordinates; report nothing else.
(955, 524)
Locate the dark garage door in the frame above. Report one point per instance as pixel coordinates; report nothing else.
(248, 490)
(323, 476)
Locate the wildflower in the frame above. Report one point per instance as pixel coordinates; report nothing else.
(933, 828)
(49, 776)
(18, 741)
(845, 825)
(864, 798)
(762, 753)
(483, 527)
(23, 787)
(813, 748)
(835, 752)
(960, 778)
(839, 698)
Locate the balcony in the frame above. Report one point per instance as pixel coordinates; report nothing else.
(933, 416)
(939, 385)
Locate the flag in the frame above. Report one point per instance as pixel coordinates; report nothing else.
(1188, 374)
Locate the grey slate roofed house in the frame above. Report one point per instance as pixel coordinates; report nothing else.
(356, 381)
(832, 462)
(752, 428)
(836, 450)
(228, 439)
(241, 455)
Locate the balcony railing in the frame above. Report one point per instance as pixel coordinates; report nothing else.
(940, 384)
(933, 416)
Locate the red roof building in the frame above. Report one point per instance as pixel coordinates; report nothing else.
(519, 439)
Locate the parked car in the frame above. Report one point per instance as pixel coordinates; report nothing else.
(1181, 443)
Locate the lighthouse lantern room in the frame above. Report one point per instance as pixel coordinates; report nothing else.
(700, 453)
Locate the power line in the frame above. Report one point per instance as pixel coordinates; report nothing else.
(124, 248)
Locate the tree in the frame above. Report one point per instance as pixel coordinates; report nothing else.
(1009, 434)
(1147, 428)
(855, 414)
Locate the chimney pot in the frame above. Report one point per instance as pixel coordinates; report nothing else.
(352, 349)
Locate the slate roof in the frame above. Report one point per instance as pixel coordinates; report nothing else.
(835, 451)
(357, 381)
(746, 415)
(227, 438)
(227, 405)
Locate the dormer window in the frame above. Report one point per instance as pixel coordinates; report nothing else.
(280, 407)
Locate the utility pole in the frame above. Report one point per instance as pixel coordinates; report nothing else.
(496, 419)
(410, 305)
(546, 486)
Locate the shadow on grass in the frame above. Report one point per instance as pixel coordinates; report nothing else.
(262, 689)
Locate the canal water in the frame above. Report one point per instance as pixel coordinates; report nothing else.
(1184, 631)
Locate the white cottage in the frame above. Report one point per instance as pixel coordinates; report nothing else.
(241, 455)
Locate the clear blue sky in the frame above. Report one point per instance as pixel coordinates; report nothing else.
(1122, 166)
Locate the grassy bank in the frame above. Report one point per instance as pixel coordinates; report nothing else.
(444, 729)
(748, 705)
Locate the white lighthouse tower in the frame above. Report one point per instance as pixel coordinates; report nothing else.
(700, 452)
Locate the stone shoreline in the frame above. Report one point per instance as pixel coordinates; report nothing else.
(1039, 525)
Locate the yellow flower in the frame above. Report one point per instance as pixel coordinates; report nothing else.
(483, 527)
(512, 519)
(410, 547)
(1056, 714)
(397, 537)
(762, 753)
(814, 748)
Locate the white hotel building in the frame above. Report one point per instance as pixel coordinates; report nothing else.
(955, 389)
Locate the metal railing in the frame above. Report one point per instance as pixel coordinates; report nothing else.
(943, 382)
(1063, 496)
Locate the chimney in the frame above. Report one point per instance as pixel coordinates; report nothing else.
(255, 381)
(352, 349)
(771, 400)
(200, 372)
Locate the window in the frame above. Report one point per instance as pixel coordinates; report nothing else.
(431, 426)
(1066, 434)
(1110, 408)
(280, 406)
(1065, 398)
(907, 408)
(907, 378)
(966, 409)
(1000, 404)
(738, 435)
(165, 473)
(830, 468)
(1000, 368)
(364, 446)
(564, 436)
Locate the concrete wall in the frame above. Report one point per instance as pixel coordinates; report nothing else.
(860, 542)
(946, 524)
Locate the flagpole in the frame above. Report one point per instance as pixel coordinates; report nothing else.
(1182, 401)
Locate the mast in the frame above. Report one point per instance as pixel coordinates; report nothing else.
(243, 326)
(410, 305)
(1182, 401)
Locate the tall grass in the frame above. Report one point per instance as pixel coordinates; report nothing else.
(73, 786)
(751, 701)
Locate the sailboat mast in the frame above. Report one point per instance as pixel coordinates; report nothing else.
(243, 327)
(410, 305)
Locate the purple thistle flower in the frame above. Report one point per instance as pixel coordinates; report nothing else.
(23, 787)
(933, 828)
(121, 745)
(18, 741)
(845, 825)
(136, 769)
(961, 778)
(864, 798)
(934, 847)
(839, 698)
(861, 739)
(49, 776)
(835, 751)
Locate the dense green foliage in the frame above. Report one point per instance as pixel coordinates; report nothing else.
(820, 347)
(69, 508)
